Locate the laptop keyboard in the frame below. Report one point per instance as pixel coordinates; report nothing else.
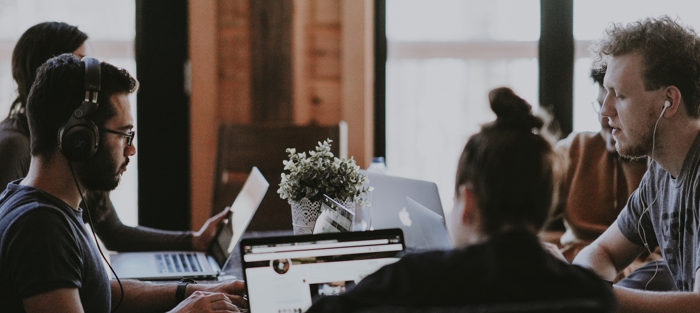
(177, 263)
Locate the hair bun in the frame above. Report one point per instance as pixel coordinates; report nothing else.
(512, 111)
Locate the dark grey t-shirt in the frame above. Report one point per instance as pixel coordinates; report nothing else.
(44, 246)
(671, 218)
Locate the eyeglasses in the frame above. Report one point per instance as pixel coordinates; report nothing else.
(128, 135)
(596, 106)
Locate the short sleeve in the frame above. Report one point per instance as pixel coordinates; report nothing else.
(43, 253)
(628, 221)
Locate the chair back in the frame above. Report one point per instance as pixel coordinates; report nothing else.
(241, 147)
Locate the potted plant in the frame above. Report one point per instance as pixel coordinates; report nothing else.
(310, 177)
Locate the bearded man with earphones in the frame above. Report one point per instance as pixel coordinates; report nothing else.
(652, 104)
(80, 121)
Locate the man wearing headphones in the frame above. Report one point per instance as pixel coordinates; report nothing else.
(81, 139)
(653, 90)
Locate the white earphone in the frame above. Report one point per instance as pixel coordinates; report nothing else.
(640, 230)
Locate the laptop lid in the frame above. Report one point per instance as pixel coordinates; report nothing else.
(242, 211)
(289, 274)
(390, 194)
(428, 231)
(177, 264)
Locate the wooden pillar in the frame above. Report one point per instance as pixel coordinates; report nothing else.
(357, 77)
(203, 105)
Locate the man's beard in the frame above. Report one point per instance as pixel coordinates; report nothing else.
(643, 146)
(101, 172)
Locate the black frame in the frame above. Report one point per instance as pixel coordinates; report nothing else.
(163, 114)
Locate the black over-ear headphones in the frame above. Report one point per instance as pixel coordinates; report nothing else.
(79, 137)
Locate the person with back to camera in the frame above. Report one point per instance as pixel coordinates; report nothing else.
(505, 187)
(594, 191)
(79, 117)
(35, 46)
(652, 104)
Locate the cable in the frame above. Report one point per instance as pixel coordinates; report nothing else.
(643, 233)
(92, 227)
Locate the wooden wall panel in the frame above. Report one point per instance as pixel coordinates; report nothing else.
(271, 61)
(277, 62)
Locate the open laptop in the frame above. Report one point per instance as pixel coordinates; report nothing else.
(390, 194)
(163, 265)
(289, 274)
(423, 228)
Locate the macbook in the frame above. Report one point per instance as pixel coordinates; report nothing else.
(163, 265)
(289, 274)
(390, 194)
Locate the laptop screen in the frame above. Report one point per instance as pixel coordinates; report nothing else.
(243, 209)
(289, 274)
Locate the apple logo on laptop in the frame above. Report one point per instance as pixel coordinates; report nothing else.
(405, 218)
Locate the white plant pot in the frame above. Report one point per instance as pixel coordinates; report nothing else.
(305, 213)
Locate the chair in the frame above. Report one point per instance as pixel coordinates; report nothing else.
(241, 147)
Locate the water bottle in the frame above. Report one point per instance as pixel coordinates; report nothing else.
(377, 166)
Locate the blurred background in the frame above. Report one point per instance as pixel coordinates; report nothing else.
(410, 77)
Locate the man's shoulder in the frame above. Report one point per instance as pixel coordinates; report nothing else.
(19, 201)
(582, 140)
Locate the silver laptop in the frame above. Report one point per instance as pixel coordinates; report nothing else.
(390, 194)
(162, 265)
(423, 229)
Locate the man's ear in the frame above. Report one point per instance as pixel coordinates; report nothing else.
(673, 96)
(469, 207)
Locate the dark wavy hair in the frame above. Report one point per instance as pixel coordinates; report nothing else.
(671, 54)
(598, 74)
(511, 166)
(59, 89)
(38, 44)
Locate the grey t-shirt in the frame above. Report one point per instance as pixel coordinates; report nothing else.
(671, 218)
(44, 246)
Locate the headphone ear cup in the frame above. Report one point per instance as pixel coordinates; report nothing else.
(79, 141)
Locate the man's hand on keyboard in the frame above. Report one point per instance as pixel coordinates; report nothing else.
(204, 301)
(233, 290)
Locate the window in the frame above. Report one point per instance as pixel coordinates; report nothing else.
(443, 58)
(110, 25)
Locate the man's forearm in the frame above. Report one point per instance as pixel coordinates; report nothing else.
(596, 260)
(143, 296)
(637, 301)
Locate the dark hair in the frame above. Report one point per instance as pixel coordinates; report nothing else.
(671, 54)
(598, 75)
(510, 165)
(38, 44)
(58, 91)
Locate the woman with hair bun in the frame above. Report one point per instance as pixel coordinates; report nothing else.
(505, 187)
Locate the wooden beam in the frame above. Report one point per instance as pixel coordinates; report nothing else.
(203, 56)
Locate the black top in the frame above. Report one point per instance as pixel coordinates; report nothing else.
(509, 268)
(14, 159)
(44, 246)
